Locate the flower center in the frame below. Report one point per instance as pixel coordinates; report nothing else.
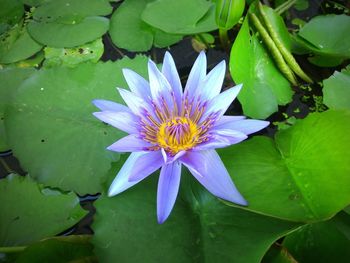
(176, 129)
(178, 134)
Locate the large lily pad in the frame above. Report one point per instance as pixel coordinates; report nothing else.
(200, 228)
(336, 90)
(53, 10)
(303, 175)
(126, 26)
(264, 87)
(10, 79)
(30, 213)
(57, 126)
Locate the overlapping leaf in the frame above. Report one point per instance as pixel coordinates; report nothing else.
(59, 141)
(69, 23)
(30, 213)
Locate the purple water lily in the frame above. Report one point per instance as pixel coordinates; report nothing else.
(169, 127)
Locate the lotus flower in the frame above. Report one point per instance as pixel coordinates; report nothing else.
(169, 127)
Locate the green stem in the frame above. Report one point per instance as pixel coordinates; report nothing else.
(11, 249)
(285, 6)
(225, 42)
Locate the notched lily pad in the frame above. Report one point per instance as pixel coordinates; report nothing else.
(28, 214)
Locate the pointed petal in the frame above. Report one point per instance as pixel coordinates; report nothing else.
(159, 85)
(197, 75)
(226, 118)
(170, 72)
(124, 121)
(130, 143)
(213, 81)
(168, 188)
(244, 126)
(221, 102)
(137, 84)
(107, 105)
(136, 104)
(231, 135)
(146, 164)
(208, 169)
(121, 183)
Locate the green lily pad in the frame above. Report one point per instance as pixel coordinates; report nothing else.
(34, 2)
(319, 29)
(30, 213)
(32, 62)
(200, 228)
(126, 26)
(336, 90)
(71, 57)
(17, 45)
(180, 17)
(264, 87)
(11, 12)
(66, 249)
(57, 126)
(314, 38)
(10, 79)
(54, 10)
(301, 176)
(322, 242)
(69, 33)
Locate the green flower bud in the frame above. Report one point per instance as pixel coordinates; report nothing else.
(228, 13)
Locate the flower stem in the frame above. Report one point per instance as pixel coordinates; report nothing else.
(225, 42)
(285, 6)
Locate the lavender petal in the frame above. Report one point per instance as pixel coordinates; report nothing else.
(124, 121)
(137, 84)
(130, 143)
(208, 169)
(168, 187)
(120, 182)
(146, 164)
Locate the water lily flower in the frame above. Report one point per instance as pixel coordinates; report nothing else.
(169, 127)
